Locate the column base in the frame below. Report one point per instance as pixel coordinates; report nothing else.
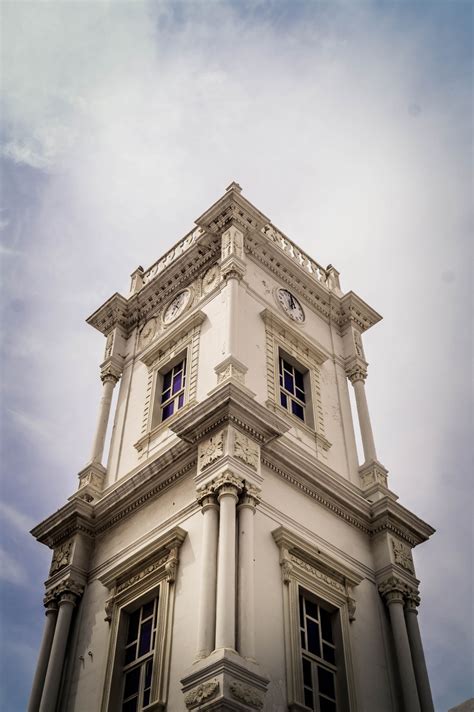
(91, 482)
(373, 481)
(224, 682)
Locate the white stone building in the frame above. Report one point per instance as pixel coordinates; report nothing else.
(232, 553)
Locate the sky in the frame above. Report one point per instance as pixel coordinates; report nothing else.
(349, 124)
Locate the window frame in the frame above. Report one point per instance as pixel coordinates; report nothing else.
(306, 568)
(158, 406)
(132, 583)
(307, 404)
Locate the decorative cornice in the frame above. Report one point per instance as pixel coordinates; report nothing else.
(172, 334)
(228, 403)
(303, 342)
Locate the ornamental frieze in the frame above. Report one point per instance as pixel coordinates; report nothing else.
(318, 574)
(211, 450)
(205, 691)
(246, 450)
(402, 555)
(246, 694)
(61, 557)
(141, 574)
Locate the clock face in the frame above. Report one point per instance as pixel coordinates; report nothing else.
(290, 305)
(176, 306)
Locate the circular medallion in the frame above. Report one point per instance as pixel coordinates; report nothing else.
(290, 304)
(176, 306)
(148, 332)
(209, 280)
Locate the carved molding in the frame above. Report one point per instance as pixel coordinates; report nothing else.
(402, 555)
(205, 691)
(61, 557)
(133, 580)
(246, 450)
(211, 450)
(248, 695)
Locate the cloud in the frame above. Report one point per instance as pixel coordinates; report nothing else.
(11, 571)
(15, 518)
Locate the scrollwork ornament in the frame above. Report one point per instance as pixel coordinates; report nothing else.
(205, 691)
(246, 450)
(246, 694)
(211, 450)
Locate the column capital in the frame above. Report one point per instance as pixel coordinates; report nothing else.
(110, 372)
(393, 590)
(227, 483)
(206, 497)
(356, 372)
(412, 601)
(50, 603)
(67, 591)
(250, 497)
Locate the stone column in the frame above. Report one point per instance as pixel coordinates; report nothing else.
(246, 584)
(109, 380)
(357, 377)
(421, 674)
(393, 592)
(228, 487)
(66, 602)
(207, 592)
(44, 652)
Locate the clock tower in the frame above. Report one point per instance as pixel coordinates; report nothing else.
(231, 552)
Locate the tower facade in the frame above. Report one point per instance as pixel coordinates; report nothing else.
(232, 553)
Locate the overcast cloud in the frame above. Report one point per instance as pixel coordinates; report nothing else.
(349, 124)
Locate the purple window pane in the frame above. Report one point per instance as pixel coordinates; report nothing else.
(300, 395)
(289, 385)
(311, 609)
(329, 654)
(130, 706)
(308, 698)
(177, 380)
(283, 400)
(167, 380)
(130, 654)
(145, 638)
(181, 400)
(297, 409)
(299, 380)
(132, 682)
(133, 621)
(168, 410)
(148, 670)
(326, 682)
(313, 638)
(307, 680)
(326, 626)
(147, 610)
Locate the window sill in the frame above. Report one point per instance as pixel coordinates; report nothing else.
(296, 423)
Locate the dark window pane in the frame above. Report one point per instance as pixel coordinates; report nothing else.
(167, 380)
(146, 698)
(181, 400)
(130, 706)
(303, 640)
(299, 380)
(300, 395)
(329, 654)
(301, 610)
(308, 698)
(168, 410)
(289, 382)
(287, 366)
(132, 681)
(311, 609)
(326, 625)
(130, 653)
(283, 400)
(147, 610)
(145, 638)
(326, 705)
(148, 670)
(133, 621)
(281, 380)
(166, 395)
(313, 638)
(307, 680)
(177, 380)
(326, 682)
(297, 409)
